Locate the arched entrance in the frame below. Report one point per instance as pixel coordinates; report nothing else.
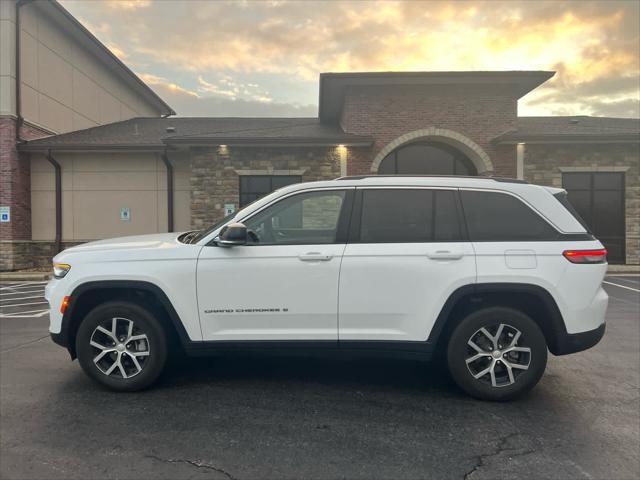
(432, 151)
(427, 158)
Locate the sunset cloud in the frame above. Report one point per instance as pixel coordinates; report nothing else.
(272, 52)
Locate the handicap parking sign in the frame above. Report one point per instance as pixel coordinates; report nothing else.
(5, 214)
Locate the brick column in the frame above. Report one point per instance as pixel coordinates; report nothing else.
(15, 184)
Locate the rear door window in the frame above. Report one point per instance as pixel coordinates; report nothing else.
(499, 217)
(409, 216)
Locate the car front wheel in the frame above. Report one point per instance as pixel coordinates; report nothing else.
(122, 346)
(497, 353)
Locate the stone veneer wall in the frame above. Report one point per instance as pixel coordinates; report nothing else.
(215, 173)
(543, 164)
(22, 254)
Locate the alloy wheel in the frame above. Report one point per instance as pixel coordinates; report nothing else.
(121, 348)
(497, 355)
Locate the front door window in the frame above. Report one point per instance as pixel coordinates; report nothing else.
(307, 218)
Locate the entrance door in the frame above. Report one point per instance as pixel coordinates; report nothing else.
(284, 284)
(599, 199)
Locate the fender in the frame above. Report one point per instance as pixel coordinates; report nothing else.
(553, 330)
(66, 335)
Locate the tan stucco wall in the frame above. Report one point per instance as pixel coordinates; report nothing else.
(96, 186)
(64, 88)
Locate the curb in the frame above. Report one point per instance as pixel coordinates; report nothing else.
(629, 269)
(24, 276)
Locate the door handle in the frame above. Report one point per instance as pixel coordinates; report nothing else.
(445, 255)
(315, 257)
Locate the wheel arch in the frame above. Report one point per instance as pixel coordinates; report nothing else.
(531, 299)
(88, 295)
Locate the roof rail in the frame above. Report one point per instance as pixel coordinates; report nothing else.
(497, 179)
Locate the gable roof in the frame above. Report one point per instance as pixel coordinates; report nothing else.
(334, 85)
(579, 128)
(58, 14)
(158, 133)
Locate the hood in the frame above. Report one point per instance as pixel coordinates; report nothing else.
(146, 242)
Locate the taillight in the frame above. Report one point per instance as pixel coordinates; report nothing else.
(586, 256)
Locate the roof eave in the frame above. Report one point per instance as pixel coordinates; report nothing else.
(271, 142)
(80, 147)
(559, 138)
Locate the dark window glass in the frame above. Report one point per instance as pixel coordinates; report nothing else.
(599, 199)
(306, 218)
(409, 216)
(562, 198)
(253, 187)
(388, 165)
(577, 181)
(500, 217)
(607, 181)
(447, 223)
(426, 159)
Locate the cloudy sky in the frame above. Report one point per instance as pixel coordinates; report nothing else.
(262, 58)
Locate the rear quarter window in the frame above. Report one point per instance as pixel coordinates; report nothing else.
(499, 217)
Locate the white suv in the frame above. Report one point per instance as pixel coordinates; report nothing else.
(491, 272)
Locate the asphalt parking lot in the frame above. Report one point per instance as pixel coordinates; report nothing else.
(293, 418)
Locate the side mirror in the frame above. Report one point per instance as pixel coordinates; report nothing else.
(232, 235)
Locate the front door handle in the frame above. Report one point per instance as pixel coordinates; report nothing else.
(315, 257)
(445, 255)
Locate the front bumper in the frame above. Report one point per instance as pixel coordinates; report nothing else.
(566, 343)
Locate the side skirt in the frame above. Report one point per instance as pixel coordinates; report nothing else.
(312, 348)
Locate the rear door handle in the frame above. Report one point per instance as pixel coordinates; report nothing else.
(315, 257)
(445, 255)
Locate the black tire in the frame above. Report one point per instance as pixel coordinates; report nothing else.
(484, 388)
(144, 323)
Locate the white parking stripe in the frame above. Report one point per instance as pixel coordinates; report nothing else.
(23, 304)
(21, 298)
(622, 286)
(21, 293)
(29, 313)
(24, 284)
(626, 281)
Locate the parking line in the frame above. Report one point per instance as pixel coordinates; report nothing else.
(622, 286)
(22, 298)
(34, 313)
(626, 281)
(24, 284)
(23, 304)
(22, 292)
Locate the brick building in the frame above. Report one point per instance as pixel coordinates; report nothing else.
(152, 174)
(55, 77)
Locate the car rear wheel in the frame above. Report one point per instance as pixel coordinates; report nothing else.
(122, 346)
(497, 353)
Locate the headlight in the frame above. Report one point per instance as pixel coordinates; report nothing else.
(60, 269)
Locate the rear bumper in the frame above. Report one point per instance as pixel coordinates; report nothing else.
(566, 343)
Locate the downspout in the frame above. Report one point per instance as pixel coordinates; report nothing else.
(58, 173)
(19, 119)
(169, 168)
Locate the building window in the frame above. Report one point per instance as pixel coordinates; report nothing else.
(430, 158)
(253, 187)
(598, 197)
